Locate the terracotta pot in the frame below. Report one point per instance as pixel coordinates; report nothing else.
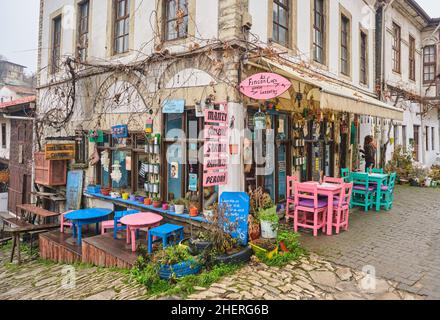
(147, 201)
(157, 204)
(283, 247)
(193, 212)
(106, 191)
(254, 231)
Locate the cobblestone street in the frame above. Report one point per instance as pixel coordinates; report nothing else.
(402, 245)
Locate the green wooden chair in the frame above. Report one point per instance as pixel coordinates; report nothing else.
(377, 170)
(388, 192)
(363, 192)
(345, 174)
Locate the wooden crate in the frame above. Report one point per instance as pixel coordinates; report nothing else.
(50, 172)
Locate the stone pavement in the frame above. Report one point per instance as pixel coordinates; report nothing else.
(403, 244)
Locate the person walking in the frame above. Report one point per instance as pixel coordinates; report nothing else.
(370, 149)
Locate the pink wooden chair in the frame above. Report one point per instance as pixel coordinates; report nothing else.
(342, 208)
(64, 224)
(334, 180)
(310, 211)
(291, 180)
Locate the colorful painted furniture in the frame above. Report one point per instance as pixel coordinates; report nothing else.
(290, 195)
(341, 212)
(345, 174)
(377, 170)
(363, 192)
(387, 196)
(63, 222)
(117, 226)
(310, 211)
(83, 217)
(333, 180)
(329, 192)
(164, 232)
(138, 221)
(379, 181)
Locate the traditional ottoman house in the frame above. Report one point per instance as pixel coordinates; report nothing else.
(407, 78)
(132, 84)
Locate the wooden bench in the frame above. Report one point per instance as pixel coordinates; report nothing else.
(31, 212)
(26, 228)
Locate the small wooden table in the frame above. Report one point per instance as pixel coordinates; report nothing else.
(138, 221)
(330, 190)
(85, 217)
(30, 213)
(379, 179)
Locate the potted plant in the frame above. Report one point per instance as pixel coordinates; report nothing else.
(269, 221)
(147, 201)
(165, 206)
(157, 203)
(125, 195)
(208, 212)
(106, 191)
(179, 206)
(140, 196)
(267, 247)
(132, 197)
(93, 188)
(193, 212)
(172, 207)
(288, 241)
(176, 262)
(259, 200)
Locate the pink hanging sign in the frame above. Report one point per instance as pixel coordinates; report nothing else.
(264, 86)
(215, 163)
(211, 179)
(215, 132)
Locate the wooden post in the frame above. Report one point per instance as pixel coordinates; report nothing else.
(13, 247)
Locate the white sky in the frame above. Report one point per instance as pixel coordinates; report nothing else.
(19, 29)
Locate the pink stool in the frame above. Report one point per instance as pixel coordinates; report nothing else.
(109, 224)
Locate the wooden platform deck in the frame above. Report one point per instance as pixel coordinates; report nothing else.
(98, 250)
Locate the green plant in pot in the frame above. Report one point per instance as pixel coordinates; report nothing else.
(269, 222)
(157, 203)
(179, 206)
(176, 262)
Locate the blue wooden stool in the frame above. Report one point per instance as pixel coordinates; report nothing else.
(164, 232)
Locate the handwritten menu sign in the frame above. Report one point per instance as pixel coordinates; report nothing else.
(60, 151)
(215, 147)
(173, 106)
(237, 211)
(264, 86)
(74, 189)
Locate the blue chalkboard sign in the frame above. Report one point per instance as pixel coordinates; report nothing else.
(237, 211)
(74, 189)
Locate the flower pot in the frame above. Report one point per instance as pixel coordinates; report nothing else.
(125, 196)
(179, 208)
(254, 231)
(208, 214)
(106, 191)
(147, 201)
(164, 206)
(268, 253)
(193, 212)
(172, 208)
(140, 199)
(283, 247)
(157, 204)
(243, 256)
(93, 188)
(132, 197)
(268, 230)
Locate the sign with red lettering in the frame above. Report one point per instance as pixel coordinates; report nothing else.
(215, 163)
(216, 116)
(215, 132)
(264, 86)
(213, 178)
(215, 147)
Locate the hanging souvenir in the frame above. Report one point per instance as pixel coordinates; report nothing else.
(116, 174)
(149, 126)
(96, 136)
(260, 120)
(105, 160)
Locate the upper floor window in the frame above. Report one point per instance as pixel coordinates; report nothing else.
(122, 26)
(176, 19)
(396, 47)
(280, 32)
(56, 44)
(429, 64)
(319, 31)
(412, 58)
(83, 30)
(364, 58)
(345, 45)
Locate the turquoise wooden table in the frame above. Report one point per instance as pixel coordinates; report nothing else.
(85, 217)
(381, 180)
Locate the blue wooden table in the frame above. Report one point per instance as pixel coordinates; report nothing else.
(86, 217)
(381, 180)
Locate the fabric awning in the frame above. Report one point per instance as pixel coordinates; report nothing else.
(336, 96)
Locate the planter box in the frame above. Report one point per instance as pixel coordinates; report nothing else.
(94, 189)
(179, 270)
(259, 250)
(50, 172)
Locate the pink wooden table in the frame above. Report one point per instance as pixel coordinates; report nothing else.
(138, 221)
(330, 190)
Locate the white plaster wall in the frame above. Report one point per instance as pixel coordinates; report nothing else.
(7, 95)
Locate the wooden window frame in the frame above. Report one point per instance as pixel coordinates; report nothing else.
(4, 136)
(167, 20)
(287, 8)
(56, 44)
(363, 57)
(397, 48)
(322, 30)
(412, 58)
(429, 64)
(117, 19)
(82, 42)
(345, 45)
